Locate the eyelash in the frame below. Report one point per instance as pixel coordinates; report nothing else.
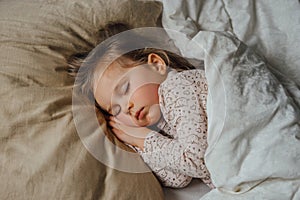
(125, 92)
(127, 88)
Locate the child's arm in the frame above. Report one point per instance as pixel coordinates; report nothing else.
(172, 179)
(135, 136)
(176, 157)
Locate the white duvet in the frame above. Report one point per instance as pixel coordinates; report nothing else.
(254, 132)
(253, 115)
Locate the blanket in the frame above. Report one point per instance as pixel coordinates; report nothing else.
(254, 132)
(254, 102)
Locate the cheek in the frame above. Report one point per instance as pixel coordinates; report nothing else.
(147, 94)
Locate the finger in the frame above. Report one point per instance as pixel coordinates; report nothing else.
(114, 124)
(119, 134)
(111, 123)
(111, 118)
(115, 131)
(117, 120)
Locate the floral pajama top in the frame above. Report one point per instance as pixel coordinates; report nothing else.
(175, 151)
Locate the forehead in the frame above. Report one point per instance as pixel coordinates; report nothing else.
(106, 82)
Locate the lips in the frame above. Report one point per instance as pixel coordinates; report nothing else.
(138, 114)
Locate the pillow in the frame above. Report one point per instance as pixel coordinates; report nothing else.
(42, 156)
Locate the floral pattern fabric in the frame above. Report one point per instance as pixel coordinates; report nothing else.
(175, 153)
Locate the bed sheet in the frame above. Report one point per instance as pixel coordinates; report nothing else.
(270, 28)
(41, 153)
(195, 190)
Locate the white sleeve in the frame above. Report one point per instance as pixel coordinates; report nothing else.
(172, 179)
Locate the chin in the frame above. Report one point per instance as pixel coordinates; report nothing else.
(136, 123)
(154, 115)
(144, 124)
(152, 122)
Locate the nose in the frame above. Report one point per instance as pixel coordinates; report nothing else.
(129, 107)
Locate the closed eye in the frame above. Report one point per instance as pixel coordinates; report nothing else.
(121, 89)
(125, 88)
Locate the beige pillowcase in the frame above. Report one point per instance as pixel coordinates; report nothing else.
(42, 156)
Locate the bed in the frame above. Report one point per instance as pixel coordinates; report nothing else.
(42, 154)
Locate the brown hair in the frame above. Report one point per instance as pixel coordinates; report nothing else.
(87, 62)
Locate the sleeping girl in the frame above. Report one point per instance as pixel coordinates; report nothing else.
(155, 102)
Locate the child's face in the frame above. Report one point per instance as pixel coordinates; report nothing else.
(131, 94)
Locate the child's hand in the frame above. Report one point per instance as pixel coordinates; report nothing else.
(130, 135)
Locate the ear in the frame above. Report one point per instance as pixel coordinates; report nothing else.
(157, 63)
